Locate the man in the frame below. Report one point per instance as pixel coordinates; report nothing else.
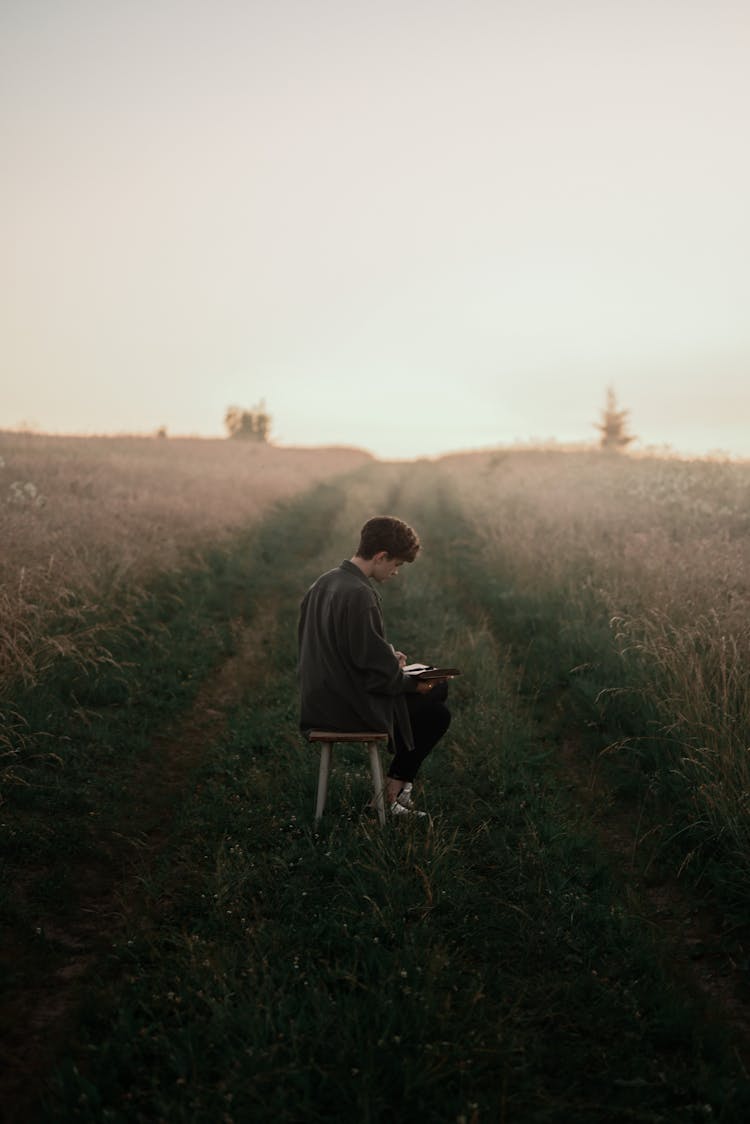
(350, 676)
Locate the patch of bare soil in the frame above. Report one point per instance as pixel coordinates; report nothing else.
(707, 950)
(43, 1010)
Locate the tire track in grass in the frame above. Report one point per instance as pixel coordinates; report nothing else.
(45, 1011)
(454, 969)
(50, 978)
(703, 948)
(45, 1008)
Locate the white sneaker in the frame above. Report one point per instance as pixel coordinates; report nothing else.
(399, 808)
(404, 796)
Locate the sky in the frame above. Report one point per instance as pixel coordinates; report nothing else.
(413, 226)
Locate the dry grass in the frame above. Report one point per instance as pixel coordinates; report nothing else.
(85, 522)
(658, 550)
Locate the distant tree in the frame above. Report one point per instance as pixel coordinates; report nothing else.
(161, 431)
(613, 426)
(248, 425)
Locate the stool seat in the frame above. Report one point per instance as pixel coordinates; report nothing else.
(338, 736)
(327, 739)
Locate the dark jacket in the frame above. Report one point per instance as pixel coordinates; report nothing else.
(349, 677)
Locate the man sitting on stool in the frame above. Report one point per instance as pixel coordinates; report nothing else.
(350, 676)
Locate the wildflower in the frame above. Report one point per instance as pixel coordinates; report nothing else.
(25, 495)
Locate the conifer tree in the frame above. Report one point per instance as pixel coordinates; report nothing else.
(613, 426)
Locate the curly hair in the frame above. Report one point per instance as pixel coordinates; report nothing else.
(386, 532)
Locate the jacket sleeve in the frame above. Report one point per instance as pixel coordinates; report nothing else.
(372, 655)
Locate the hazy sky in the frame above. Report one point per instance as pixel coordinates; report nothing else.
(414, 226)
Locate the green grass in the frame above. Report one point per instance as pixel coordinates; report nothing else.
(586, 676)
(481, 965)
(84, 788)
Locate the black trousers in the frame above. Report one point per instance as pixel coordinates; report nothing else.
(430, 718)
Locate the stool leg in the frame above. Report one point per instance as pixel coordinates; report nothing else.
(323, 774)
(378, 783)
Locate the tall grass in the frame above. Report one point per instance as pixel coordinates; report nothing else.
(475, 966)
(481, 965)
(627, 580)
(97, 757)
(85, 523)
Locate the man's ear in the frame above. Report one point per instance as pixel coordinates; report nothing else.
(377, 557)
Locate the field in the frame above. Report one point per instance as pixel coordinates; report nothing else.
(86, 521)
(564, 938)
(626, 582)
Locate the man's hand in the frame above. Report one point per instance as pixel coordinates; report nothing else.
(400, 657)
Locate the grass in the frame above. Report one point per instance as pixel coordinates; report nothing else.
(88, 523)
(621, 585)
(86, 781)
(479, 966)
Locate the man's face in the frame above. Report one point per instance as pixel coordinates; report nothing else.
(384, 567)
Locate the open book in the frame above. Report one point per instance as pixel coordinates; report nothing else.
(427, 671)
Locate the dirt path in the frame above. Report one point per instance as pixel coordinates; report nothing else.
(44, 1009)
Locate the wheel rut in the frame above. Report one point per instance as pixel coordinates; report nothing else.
(43, 1007)
(706, 949)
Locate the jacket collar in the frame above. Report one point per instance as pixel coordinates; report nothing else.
(349, 568)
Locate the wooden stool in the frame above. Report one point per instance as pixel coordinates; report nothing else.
(327, 739)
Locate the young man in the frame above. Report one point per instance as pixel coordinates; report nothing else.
(350, 676)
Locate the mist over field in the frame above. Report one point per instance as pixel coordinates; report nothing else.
(179, 935)
(269, 270)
